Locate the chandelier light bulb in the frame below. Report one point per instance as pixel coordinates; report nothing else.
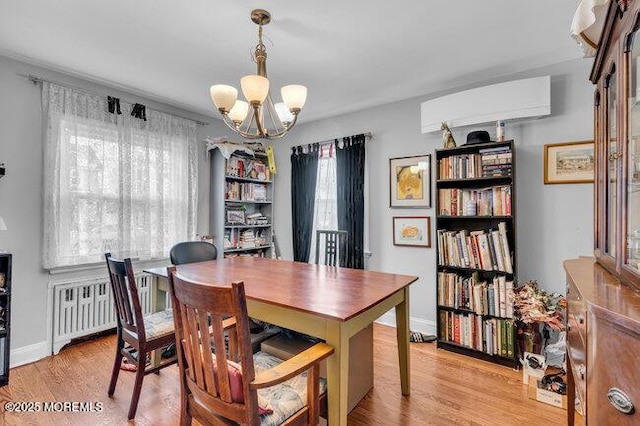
(294, 96)
(283, 112)
(255, 88)
(239, 111)
(223, 96)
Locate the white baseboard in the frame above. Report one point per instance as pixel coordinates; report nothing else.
(415, 324)
(28, 354)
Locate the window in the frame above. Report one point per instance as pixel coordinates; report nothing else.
(325, 215)
(122, 186)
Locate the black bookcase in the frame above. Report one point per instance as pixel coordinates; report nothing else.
(476, 241)
(5, 316)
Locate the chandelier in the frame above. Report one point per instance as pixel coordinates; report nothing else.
(259, 117)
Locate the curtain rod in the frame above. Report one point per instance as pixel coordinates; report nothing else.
(35, 80)
(367, 135)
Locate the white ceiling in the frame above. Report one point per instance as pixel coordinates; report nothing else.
(350, 54)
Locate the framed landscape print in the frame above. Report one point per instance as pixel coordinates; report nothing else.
(412, 231)
(569, 162)
(410, 181)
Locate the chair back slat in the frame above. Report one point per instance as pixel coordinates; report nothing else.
(125, 293)
(184, 337)
(224, 387)
(207, 362)
(335, 247)
(193, 340)
(202, 307)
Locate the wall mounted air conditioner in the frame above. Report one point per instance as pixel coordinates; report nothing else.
(519, 99)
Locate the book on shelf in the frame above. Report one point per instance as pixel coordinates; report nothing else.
(481, 297)
(479, 249)
(491, 201)
(245, 191)
(247, 168)
(493, 336)
(487, 162)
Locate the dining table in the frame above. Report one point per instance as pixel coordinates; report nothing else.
(330, 303)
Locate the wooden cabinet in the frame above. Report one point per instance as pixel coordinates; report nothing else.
(603, 293)
(475, 224)
(241, 204)
(5, 316)
(603, 330)
(616, 73)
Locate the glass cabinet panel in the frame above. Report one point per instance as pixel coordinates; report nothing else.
(612, 168)
(632, 258)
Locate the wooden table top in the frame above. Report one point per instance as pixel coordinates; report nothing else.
(334, 293)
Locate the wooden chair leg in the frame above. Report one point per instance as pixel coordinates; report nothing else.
(185, 418)
(137, 387)
(116, 369)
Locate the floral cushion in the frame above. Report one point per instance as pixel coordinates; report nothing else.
(284, 399)
(159, 324)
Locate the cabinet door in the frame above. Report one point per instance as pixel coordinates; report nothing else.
(611, 156)
(631, 258)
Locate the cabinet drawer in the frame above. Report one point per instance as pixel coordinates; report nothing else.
(576, 313)
(613, 374)
(578, 358)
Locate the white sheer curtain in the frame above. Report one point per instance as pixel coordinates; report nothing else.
(113, 182)
(325, 215)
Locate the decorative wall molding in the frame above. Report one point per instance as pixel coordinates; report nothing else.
(29, 354)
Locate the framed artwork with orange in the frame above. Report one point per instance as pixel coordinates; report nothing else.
(412, 231)
(410, 181)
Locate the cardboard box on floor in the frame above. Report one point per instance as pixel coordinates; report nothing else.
(546, 396)
(360, 360)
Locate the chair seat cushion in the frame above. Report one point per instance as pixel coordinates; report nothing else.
(159, 324)
(284, 399)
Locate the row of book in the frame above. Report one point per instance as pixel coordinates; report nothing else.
(488, 162)
(483, 297)
(244, 238)
(245, 191)
(493, 201)
(486, 250)
(257, 253)
(249, 168)
(257, 218)
(493, 336)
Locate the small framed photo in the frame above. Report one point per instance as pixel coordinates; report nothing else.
(410, 181)
(569, 162)
(412, 231)
(235, 217)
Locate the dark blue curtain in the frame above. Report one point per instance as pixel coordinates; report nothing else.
(304, 171)
(350, 193)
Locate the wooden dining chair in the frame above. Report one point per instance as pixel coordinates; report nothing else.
(227, 385)
(335, 247)
(137, 334)
(192, 251)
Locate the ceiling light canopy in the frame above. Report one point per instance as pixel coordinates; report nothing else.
(259, 117)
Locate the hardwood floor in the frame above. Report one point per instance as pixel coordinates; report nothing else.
(446, 389)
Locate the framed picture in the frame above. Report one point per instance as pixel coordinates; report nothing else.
(235, 217)
(569, 162)
(410, 181)
(412, 231)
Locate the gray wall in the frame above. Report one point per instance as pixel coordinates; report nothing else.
(554, 222)
(21, 191)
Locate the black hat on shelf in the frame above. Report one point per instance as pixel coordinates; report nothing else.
(478, 136)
